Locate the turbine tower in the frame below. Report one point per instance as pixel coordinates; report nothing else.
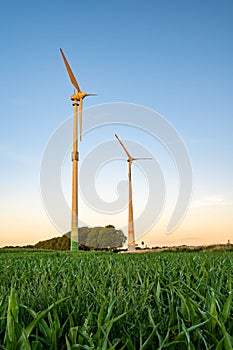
(131, 237)
(77, 99)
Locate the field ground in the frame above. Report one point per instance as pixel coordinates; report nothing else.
(101, 300)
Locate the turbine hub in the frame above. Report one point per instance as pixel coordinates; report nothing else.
(78, 95)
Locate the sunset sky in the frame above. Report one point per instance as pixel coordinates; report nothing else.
(173, 57)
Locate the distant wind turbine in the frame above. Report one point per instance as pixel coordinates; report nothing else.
(77, 99)
(131, 237)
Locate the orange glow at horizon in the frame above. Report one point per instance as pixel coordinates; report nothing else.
(201, 226)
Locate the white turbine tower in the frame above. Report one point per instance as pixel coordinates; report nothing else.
(131, 236)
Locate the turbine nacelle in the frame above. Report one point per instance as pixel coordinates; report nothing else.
(78, 95)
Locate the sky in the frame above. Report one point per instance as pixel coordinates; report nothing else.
(172, 57)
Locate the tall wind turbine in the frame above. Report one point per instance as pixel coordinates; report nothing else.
(131, 237)
(77, 99)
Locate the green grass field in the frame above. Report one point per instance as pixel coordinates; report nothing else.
(91, 300)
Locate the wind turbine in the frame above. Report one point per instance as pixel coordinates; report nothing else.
(131, 237)
(77, 99)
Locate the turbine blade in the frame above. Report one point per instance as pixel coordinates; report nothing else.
(81, 117)
(124, 148)
(142, 158)
(91, 94)
(71, 75)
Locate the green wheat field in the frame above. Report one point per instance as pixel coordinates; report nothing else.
(102, 300)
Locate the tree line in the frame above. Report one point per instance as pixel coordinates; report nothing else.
(89, 238)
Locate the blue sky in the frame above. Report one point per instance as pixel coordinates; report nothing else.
(172, 56)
